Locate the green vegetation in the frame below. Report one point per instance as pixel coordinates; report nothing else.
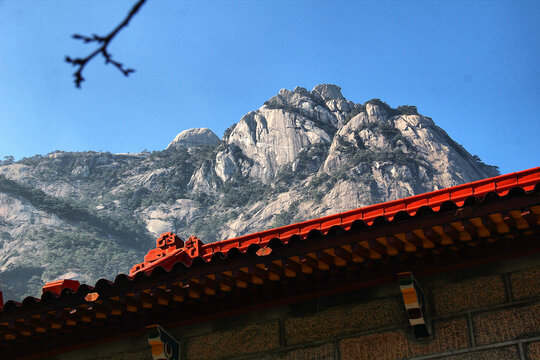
(380, 103)
(96, 173)
(288, 216)
(357, 152)
(242, 192)
(317, 100)
(83, 250)
(228, 132)
(207, 227)
(126, 229)
(310, 159)
(358, 108)
(491, 168)
(407, 110)
(285, 107)
(328, 128)
(14, 283)
(401, 110)
(8, 160)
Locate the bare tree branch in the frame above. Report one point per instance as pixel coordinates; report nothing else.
(102, 49)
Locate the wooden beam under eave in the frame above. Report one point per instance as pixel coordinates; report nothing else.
(240, 278)
(52, 321)
(95, 311)
(407, 246)
(335, 259)
(111, 311)
(292, 269)
(321, 264)
(396, 243)
(211, 286)
(445, 239)
(36, 324)
(306, 266)
(21, 328)
(497, 218)
(432, 236)
(377, 250)
(60, 324)
(489, 225)
(360, 254)
(521, 223)
(145, 300)
(165, 298)
(415, 240)
(258, 274)
(68, 319)
(451, 232)
(325, 258)
(470, 229)
(131, 305)
(273, 268)
(343, 255)
(222, 285)
(272, 276)
(114, 307)
(11, 337)
(233, 279)
(194, 290)
(483, 232)
(226, 281)
(530, 217)
(509, 220)
(87, 316)
(8, 334)
(178, 294)
(253, 276)
(426, 243)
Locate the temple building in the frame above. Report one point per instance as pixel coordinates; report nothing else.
(450, 274)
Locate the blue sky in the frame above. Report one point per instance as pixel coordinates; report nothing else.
(471, 66)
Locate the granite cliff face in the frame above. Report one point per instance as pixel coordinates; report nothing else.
(303, 154)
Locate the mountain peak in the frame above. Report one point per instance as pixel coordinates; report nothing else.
(328, 91)
(194, 137)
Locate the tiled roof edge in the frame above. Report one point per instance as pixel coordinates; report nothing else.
(500, 185)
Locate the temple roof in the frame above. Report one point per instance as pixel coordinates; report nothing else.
(182, 282)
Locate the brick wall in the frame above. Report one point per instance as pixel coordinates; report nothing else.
(492, 315)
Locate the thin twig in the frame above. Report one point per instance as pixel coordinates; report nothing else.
(104, 41)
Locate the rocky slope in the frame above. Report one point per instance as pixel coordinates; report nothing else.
(303, 154)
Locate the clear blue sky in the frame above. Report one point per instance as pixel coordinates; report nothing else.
(471, 66)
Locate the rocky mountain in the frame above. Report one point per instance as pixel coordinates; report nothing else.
(303, 154)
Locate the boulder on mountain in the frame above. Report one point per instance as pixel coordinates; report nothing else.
(193, 138)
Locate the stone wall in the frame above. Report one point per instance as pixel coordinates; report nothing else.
(488, 312)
